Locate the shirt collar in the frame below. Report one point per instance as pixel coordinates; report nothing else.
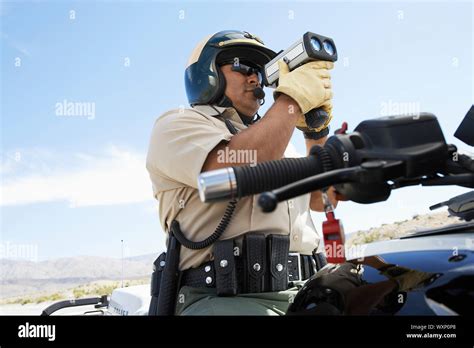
(213, 110)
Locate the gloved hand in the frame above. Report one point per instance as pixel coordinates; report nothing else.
(322, 123)
(406, 278)
(308, 85)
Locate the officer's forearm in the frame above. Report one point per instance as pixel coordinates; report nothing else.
(316, 202)
(267, 138)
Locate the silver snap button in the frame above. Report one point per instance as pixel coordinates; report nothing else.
(208, 280)
(207, 269)
(223, 263)
(162, 263)
(279, 267)
(256, 267)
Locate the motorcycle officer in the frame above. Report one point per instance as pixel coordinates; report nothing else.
(253, 268)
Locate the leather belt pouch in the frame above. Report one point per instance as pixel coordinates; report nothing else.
(224, 264)
(278, 247)
(254, 249)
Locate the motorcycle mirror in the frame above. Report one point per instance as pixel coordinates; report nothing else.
(461, 206)
(465, 131)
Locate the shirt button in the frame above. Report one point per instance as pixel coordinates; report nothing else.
(291, 204)
(295, 237)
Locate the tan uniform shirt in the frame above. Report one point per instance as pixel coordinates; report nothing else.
(179, 145)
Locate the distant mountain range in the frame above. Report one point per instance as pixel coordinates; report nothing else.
(402, 228)
(19, 277)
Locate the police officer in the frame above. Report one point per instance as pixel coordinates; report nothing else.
(222, 129)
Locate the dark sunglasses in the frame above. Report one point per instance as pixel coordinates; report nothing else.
(247, 70)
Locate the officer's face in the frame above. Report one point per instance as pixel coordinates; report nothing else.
(239, 89)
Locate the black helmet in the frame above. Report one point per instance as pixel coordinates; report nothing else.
(205, 83)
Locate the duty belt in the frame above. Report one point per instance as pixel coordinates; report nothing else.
(264, 266)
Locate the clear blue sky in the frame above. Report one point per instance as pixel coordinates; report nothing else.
(75, 185)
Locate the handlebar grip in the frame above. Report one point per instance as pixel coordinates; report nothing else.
(237, 182)
(270, 175)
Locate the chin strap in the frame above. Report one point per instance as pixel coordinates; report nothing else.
(247, 120)
(224, 102)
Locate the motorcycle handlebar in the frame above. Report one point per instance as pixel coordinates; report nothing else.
(403, 150)
(238, 182)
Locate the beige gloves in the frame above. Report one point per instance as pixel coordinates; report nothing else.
(310, 87)
(406, 278)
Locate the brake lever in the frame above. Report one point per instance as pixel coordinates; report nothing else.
(374, 171)
(269, 200)
(399, 183)
(465, 180)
